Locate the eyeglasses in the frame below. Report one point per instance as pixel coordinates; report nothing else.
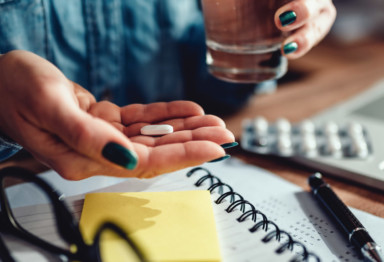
(67, 242)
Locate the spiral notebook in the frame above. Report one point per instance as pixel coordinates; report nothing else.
(245, 233)
(247, 200)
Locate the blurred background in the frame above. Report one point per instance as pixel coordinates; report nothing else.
(358, 20)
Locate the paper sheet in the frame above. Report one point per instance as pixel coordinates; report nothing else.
(293, 209)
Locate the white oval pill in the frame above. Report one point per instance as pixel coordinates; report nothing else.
(331, 128)
(359, 147)
(260, 126)
(284, 144)
(333, 145)
(355, 129)
(309, 145)
(307, 127)
(283, 125)
(156, 130)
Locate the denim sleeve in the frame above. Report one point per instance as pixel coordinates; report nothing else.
(8, 148)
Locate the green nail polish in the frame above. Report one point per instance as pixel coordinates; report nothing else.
(229, 145)
(120, 155)
(219, 159)
(287, 18)
(290, 48)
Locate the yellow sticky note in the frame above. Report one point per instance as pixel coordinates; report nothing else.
(168, 226)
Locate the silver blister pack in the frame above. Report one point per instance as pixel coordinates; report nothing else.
(305, 139)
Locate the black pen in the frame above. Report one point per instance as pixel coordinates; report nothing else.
(357, 234)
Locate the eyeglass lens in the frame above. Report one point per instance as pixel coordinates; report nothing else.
(40, 220)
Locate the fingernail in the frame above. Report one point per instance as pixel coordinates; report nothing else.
(287, 18)
(219, 159)
(120, 155)
(229, 145)
(290, 48)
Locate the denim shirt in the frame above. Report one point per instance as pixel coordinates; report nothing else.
(126, 51)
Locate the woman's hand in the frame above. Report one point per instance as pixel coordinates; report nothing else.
(308, 21)
(196, 138)
(62, 125)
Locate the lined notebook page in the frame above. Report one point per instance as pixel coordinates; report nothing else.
(293, 209)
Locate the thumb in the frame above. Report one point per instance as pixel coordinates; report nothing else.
(95, 138)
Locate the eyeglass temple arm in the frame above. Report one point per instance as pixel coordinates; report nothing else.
(67, 226)
(5, 255)
(119, 231)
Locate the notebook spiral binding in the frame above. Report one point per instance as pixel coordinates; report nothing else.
(249, 211)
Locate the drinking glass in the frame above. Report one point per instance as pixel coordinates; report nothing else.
(243, 42)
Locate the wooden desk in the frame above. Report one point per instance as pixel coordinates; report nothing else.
(330, 73)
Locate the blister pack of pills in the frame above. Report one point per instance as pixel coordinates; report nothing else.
(305, 139)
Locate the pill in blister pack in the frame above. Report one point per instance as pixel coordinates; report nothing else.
(306, 139)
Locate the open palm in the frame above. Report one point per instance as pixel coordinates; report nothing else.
(63, 126)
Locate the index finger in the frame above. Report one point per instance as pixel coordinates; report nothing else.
(298, 12)
(157, 112)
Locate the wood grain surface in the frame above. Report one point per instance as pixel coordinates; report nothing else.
(331, 73)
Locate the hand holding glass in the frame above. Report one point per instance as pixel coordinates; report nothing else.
(243, 42)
